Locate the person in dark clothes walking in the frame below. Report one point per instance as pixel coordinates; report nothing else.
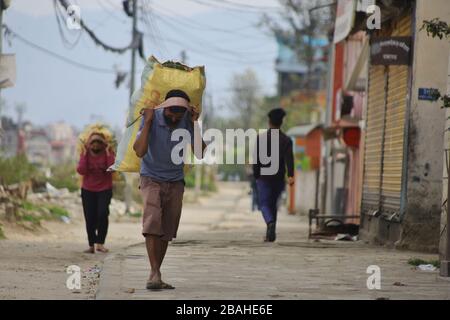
(270, 187)
(96, 189)
(253, 190)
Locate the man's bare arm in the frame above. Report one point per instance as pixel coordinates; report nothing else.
(198, 139)
(141, 144)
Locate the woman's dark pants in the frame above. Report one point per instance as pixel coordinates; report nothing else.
(96, 212)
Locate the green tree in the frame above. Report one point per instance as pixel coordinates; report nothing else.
(245, 97)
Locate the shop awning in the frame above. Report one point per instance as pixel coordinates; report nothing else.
(357, 80)
(345, 17)
(346, 129)
(332, 131)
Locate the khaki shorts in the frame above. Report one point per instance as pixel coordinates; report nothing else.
(162, 207)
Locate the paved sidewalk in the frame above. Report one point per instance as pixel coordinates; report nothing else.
(219, 254)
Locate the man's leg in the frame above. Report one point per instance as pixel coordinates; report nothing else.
(171, 204)
(163, 249)
(155, 256)
(152, 227)
(265, 198)
(264, 190)
(277, 190)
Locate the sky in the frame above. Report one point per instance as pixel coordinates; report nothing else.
(221, 35)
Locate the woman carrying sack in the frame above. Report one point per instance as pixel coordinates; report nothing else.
(96, 189)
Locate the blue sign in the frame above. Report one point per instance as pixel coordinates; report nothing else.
(428, 94)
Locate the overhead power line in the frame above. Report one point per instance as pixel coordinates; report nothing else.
(191, 23)
(136, 42)
(236, 7)
(9, 32)
(247, 6)
(206, 44)
(215, 56)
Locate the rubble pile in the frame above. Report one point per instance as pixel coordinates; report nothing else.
(13, 198)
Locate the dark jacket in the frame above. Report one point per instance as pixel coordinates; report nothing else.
(286, 157)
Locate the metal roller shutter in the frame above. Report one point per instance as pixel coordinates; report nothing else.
(393, 146)
(374, 139)
(385, 125)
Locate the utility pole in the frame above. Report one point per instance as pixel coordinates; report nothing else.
(133, 50)
(183, 56)
(1, 52)
(128, 188)
(20, 109)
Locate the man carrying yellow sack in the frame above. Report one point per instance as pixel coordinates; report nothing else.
(162, 178)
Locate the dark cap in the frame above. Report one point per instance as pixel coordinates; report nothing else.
(276, 116)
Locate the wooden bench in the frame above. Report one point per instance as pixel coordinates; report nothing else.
(314, 215)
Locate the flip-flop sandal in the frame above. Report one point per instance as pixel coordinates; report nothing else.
(166, 286)
(152, 285)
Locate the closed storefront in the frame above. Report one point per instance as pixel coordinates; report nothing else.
(385, 128)
(373, 158)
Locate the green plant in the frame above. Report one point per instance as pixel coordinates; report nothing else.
(136, 214)
(2, 234)
(436, 28)
(207, 181)
(17, 169)
(416, 262)
(58, 212)
(65, 176)
(440, 29)
(230, 171)
(189, 179)
(35, 213)
(28, 206)
(31, 218)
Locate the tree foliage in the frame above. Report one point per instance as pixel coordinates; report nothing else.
(246, 97)
(298, 24)
(438, 29)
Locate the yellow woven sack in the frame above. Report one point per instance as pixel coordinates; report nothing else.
(97, 128)
(156, 81)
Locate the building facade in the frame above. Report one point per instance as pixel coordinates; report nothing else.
(393, 177)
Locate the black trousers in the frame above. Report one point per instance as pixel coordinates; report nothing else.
(96, 212)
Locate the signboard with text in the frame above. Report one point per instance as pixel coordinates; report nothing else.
(390, 51)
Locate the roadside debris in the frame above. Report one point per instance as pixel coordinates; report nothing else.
(426, 267)
(345, 237)
(399, 284)
(423, 265)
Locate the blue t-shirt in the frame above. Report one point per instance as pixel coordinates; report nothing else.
(157, 162)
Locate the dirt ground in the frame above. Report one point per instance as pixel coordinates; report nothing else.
(33, 264)
(219, 245)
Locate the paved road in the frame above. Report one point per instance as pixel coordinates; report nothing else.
(219, 254)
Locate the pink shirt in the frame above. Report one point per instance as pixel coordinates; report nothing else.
(93, 170)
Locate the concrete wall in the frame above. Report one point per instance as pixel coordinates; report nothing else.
(305, 191)
(443, 239)
(420, 227)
